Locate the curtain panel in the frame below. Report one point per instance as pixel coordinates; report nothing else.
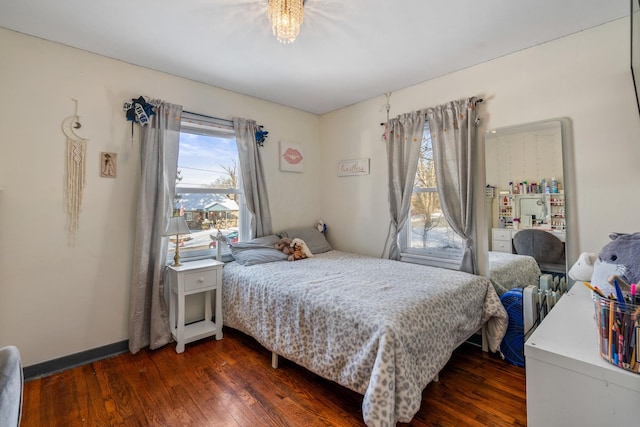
(148, 320)
(404, 139)
(453, 135)
(253, 182)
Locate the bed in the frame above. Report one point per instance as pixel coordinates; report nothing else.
(508, 271)
(379, 327)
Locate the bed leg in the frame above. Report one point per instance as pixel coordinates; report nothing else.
(274, 360)
(485, 341)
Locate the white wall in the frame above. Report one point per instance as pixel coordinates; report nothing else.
(584, 77)
(57, 299)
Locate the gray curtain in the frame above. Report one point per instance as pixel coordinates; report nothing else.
(404, 138)
(453, 135)
(148, 319)
(253, 182)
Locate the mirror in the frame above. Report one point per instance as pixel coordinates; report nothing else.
(525, 178)
(532, 210)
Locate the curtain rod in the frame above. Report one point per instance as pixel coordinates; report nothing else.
(476, 102)
(210, 117)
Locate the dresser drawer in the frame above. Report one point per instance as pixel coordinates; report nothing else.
(200, 279)
(501, 246)
(501, 234)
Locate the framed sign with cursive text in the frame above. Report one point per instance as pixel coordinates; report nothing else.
(353, 167)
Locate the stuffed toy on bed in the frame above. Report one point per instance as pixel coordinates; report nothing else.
(618, 259)
(300, 250)
(284, 245)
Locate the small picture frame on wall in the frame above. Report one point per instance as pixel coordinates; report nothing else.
(108, 164)
(353, 167)
(291, 157)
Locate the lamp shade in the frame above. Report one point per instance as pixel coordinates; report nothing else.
(177, 225)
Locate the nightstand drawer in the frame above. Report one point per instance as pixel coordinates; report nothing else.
(200, 279)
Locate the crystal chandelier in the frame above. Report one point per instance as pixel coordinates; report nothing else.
(286, 17)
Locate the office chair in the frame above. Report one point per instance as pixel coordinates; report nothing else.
(544, 247)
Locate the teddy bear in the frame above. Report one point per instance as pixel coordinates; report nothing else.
(300, 250)
(285, 246)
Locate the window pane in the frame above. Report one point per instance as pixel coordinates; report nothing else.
(207, 161)
(429, 230)
(205, 214)
(426, 173)
(207, 189)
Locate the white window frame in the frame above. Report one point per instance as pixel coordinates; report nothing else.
(208, 126)
(425, 256)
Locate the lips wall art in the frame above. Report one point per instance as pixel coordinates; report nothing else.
(291, 157)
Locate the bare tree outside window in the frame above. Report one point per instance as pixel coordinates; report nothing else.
(425, 203)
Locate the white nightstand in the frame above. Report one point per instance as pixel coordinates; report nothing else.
(192, 278)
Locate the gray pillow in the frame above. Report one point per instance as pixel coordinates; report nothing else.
(257, 251)
(315, 240)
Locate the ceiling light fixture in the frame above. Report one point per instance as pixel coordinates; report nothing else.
(286, 17)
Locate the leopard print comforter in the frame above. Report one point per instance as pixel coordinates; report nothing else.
(379, 327)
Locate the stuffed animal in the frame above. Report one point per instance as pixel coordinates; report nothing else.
(285, 246)
(619, 259)
(582, 270)
(300, 250)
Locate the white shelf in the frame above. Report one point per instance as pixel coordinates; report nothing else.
(196, 331)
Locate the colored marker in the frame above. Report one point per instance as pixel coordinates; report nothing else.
(599, 292)
(619, 295)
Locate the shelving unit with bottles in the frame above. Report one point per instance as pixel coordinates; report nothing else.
(505, 208)
(557, 211)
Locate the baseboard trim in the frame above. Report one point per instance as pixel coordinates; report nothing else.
(49, 367)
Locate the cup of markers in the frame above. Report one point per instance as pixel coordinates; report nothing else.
(618, 320)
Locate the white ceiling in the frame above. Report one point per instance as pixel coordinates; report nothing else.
(348, 50)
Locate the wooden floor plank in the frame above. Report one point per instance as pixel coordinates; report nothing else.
(231, 383)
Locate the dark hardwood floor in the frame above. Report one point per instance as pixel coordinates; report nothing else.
(231, 383)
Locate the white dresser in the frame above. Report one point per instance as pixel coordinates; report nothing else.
(501, 238)
(568, 383)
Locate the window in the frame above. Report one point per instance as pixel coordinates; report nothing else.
(427, 233)
(208, 188)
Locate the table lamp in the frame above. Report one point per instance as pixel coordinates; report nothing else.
(177, 225)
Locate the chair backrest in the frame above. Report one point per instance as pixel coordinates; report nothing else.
(539, 244)
(11, 384)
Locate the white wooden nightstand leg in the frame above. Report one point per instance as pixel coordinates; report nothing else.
(218, 294)
(208, 313)
(180, 327)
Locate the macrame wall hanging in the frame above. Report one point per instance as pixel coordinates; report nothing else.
(76, 171)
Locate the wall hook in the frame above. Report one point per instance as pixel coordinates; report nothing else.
(76, 123)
